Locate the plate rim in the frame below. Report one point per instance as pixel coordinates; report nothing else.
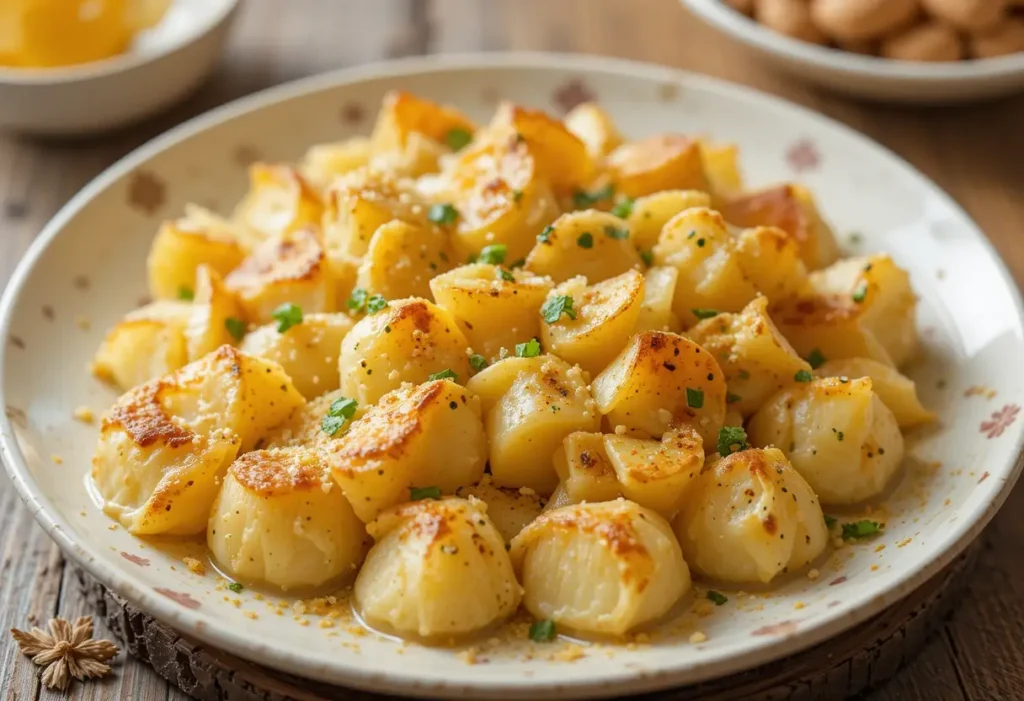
(353, 674)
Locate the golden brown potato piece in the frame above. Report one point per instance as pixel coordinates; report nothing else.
(406, 442)
(289, 269)
(279, 201)
(792, 209)
(757, 360)
(147, 343)
(495, 308)
(164, 445)
(697, 244)
(967, 15)
(584, 471)
(650, 213)
(896, 391)
(660, 381)
(770, 258)
(308, 352)
(530, 405)
(216, 317)
(594, 127)
(562, 158)
(439, 568)
(182, 245)
(596, 320)
(325, 162)
(402, 258)
(412, 133)
(253, 533)
(1001, 40)
(594, 244)
(662, 162)
(510, 510)
(499, 197)
(406, 341)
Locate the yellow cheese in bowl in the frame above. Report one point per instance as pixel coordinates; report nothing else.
(51, 33)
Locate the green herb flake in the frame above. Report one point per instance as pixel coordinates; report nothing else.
(477, 361)
(331, 424)
(518, 263)
(705, 313)
(457, 139)
(287, 316)
(357, 300)
(830, 521)
(235, 587)
(716, 597)
(731, 398)
(442, 213)
(860, 293)
(421, 493)
(545, 236)
(624, 208)
(556, 306)
(530, 349)
(861, 529)
(446, 374)
(341, 411)
(236, 327)
(694, 398)
(803, 376)
(647, 257)
(542, 631)
(517, 195)
(616, 233)
(816, 359)
(585, 240)
(731, 439)
(493, 254)
(506, 275)
(582, 199)
(700, 243)
(186, 294)
(376, 303)
(839, 435)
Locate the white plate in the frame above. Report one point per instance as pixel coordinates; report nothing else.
(162, 65)
(88, 264)
(869, 76)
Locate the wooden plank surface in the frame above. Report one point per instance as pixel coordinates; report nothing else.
(975, 152)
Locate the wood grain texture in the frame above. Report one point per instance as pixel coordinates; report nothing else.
(974, 152)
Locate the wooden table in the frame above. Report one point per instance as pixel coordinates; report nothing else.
(974, 152)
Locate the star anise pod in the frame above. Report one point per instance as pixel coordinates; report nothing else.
(67, 652)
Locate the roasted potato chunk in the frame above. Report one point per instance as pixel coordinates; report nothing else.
(896, 391)
(401, 260)
(495, 308)
(661, 381)
(182, 245)
(405, 441)
(252, 533)
(600, 568)
(594, 127)
(662, 162)
(792, 209)
(290, 269)
(757, 360)
(590, 243)
(749, 517)
(838, 435)
(308, 351)
(697, 244)
(279, 202)
(407, 341)
(439, 568)
(589, 325)
(539, 402)
(147, 343)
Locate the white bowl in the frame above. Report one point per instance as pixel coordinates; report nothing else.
(89, 264)
(869, 76)
(162, 66)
